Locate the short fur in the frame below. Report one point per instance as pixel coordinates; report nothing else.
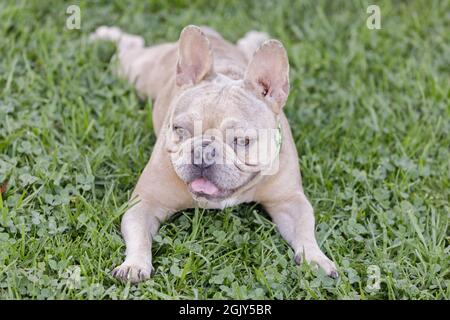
(205, 78)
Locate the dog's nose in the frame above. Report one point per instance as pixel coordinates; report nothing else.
(204, 156)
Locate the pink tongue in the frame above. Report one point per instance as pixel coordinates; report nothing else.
(203, 185)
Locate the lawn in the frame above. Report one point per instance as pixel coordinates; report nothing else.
(369, 111)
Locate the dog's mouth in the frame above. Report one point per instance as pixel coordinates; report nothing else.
(204, 188)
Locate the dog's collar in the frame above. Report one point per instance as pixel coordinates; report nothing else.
(278, 138)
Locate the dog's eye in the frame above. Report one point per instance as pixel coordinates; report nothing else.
(242, 142)
(180, 131)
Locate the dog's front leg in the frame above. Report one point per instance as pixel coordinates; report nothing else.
(139, 225)
(294, 218)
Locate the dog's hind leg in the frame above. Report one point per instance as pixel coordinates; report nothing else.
(250, 42)
(142, 66)
(129, 46)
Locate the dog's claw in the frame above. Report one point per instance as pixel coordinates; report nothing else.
(133, 273)
(334, 274)
(317, 258)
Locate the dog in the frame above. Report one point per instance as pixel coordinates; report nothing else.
(203, 88)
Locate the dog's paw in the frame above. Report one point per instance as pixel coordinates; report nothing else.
(132, 272)
(317, 257)
(106, 33)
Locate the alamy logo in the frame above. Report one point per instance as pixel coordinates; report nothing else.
(373, 22)
(373, 278)
(74, 19)
(250, 149)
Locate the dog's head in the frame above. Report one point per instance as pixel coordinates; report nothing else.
(222, 132)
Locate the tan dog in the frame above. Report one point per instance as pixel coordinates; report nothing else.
(211, 98)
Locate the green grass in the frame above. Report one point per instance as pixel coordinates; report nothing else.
(369, 110)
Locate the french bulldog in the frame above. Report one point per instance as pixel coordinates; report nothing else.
(211, 99)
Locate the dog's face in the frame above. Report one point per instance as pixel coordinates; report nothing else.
(214, 137)
(222, 132)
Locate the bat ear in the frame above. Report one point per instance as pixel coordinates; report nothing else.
(268, 74)
(195, 59)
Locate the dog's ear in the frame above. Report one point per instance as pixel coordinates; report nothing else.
(268, 74)
(195, 59)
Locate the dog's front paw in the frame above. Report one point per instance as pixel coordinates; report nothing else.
(133, 272)
(317, 257)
